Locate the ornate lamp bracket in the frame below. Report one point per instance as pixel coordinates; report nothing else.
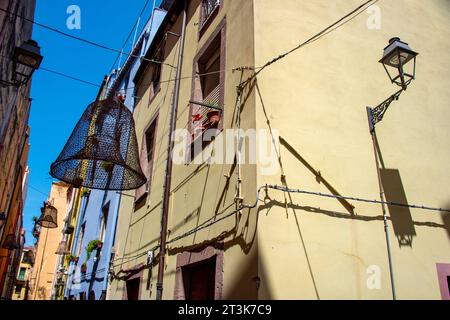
(376, 114)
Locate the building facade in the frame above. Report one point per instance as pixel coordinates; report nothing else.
(22, 283)
(41, 282)
(201, 37)
(14, 132)
(89, 275)
(241, 229)
(68, 241)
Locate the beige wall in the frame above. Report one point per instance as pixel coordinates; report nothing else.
(46, 259)
(317, 99)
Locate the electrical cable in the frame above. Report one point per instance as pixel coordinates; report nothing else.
(316, 37)
(70, 77)
(131, 32)
(37, 190)
(74, 37)
(207, 223)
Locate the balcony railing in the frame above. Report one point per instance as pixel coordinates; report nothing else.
(208, 7)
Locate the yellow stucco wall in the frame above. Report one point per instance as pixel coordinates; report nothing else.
(317, 99)
(198, 190)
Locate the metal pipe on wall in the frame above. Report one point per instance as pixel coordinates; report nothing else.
(169, 163)
(380, 186)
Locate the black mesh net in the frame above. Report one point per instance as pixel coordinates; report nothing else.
(48, 218)
(102, 151)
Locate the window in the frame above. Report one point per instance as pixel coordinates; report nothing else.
(82, 295)
(200, 280)
(80, 239)
(26, 257)
(155, 73)
(133, 289)
(92, 295)
(147, 157)
(199, 274)
(208, 85)
(103, 223)
(18, 289)
(21, 276)
(209, 9)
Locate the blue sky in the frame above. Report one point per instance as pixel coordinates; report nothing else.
(59, 102)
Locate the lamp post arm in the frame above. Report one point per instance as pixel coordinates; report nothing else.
(376, 114)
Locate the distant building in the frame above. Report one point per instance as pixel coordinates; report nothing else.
(48, 242)
(22, 281)
(67, 243)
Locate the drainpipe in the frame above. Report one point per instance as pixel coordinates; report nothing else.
(168, 176)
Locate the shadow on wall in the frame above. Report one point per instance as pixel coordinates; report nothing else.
(251, 282)
(446, 220)
(401, 218)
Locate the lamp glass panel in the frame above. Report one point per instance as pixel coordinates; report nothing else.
(27, 60)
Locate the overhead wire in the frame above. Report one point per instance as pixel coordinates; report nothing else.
(216, 219)
(75, 37)
(210, 221)
(339, 23)
(131, 33)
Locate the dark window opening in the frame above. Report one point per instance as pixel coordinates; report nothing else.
(156, 68)
(133, 289)
(199, 280)
(92, 295)
(82, 295)
(18, 289)
(104, 222)
(448, 283)
(209, 67)
(146, 158)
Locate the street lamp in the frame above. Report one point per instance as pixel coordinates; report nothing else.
(26, 59)
(396, 55)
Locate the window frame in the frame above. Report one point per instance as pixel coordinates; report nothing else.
(190, 259)
(220, 31)
(104, 221)
(80, 239)
(203, 24)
